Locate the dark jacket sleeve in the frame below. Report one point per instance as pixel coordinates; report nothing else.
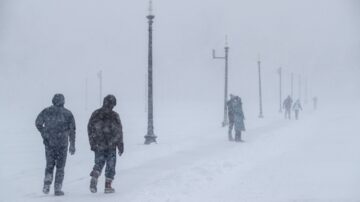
(119, 132)
(39, 123)
(91, 131)
(72, 128)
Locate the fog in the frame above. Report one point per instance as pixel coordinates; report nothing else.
(49, 47)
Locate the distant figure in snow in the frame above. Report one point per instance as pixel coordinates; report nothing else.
(238, 118)
(287, 106)
(231, 108)
(315, 100)
(57, 127)
(105, 135)
(297, 107)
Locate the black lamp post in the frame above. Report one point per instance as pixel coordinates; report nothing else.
(226, 57)
(260, 93)
(280, 93)
(150, 136)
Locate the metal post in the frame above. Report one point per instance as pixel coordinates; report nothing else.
(150, 136)
(292, 85)
(100, 86)
(280, 96)
(300, 86)
(226, 58)
(86, 94)
(260, 94)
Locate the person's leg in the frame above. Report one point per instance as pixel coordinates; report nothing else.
(49, 170)
(110, 170)
(61, 155)
(231, 126)
(95, 173)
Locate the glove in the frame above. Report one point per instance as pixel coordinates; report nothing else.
(121, 148)
(93, 147)
(72, 149)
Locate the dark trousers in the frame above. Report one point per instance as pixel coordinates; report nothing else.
(296, 114)
(55, 156)
(287, 114)
(107, 157)
(231, 127)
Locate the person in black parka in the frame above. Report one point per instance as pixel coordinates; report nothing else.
(57, 127)
(238, 118)
(287, 106)
(230, 107)
(105, 136)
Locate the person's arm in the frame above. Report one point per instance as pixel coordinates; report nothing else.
(91, 132)
(39, 123)
(119, 135)
(72, 132)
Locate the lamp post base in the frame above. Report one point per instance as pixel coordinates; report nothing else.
(150, 139)
(261, 116)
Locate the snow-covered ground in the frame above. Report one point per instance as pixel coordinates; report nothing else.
(314, 159)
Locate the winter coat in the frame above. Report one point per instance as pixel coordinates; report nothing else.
(297, 106)
(238, 115)
(56, 124)
(230, 106)
(105, 129)
(287, 103)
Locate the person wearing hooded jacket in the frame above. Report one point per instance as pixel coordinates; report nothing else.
(297, 107)
(238, 118)
(57, 127)
(230, 107)
(105, 136)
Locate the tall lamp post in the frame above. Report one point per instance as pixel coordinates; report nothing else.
(292, 85)
(100, 76)
(150, 136)
(260, 94)
(280, 96)
(225, 121)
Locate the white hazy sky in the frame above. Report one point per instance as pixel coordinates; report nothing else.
(49, 46)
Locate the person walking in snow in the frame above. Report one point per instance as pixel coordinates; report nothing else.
(287, 106)
(56, 125)
(230, 106)
(238, 118)
(297, 107)
(105, 136)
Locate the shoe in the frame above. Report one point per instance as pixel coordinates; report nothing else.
(59, 193)
(108, 188)
(93, 184)
(46, 189)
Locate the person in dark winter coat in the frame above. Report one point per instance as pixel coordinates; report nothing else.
(105, 135)
(230, 106)
(287, 106)
(297, 107)
(238, 118)
(57, 127)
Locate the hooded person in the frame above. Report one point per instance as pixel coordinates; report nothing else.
(230, 107)
(105, 136)
(287, 106)
(57, 127)
(238, 118)
(297, 107)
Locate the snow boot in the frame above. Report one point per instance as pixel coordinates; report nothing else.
(230, 137)
(93, 184)
(108, 188)
(238, 137)
(46, 188)
(58, 191)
